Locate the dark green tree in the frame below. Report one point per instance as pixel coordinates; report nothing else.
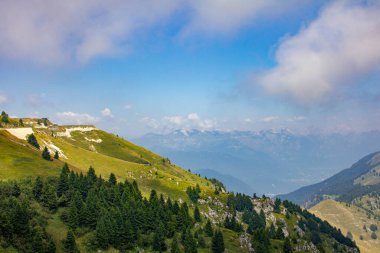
(32, 140)
(69, 243)
(56, 155)
(49, 197)
(260, 241)
(102, 233)
(279, 234)
(159, 239)
(189, 242)
(112, 179)
(208, 229)
(37, 188)
(277, 206)
(217, 242)
(4, 117)
(197, 214)
(174, 248)
(63, 181)
(287, 246)
(46, 154)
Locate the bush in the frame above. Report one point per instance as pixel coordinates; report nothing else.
(374, 236)
(373, 227)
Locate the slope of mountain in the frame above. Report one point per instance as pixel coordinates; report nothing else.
(117, 207)
(234, 184)
(349, 219)
(360, 179)
(279, 161)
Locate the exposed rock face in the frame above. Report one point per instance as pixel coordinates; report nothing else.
(245, 242)
(307, 246)
(299, 231)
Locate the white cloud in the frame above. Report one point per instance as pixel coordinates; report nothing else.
(106, 112)
(191, 121)
(76, 118)
(3, 99)
(226, 16)
(269, 119)
(341, 45)
(150, 122)
(55, 32)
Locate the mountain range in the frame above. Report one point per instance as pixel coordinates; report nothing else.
(269, 162)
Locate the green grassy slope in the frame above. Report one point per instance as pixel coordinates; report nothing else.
(348, 218)
(112, 154)
(19, 160)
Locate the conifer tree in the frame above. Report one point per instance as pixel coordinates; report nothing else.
(37, 188)
(159, 239)
(112, 179)
(102, 233)
(46, 154)
(56, 155)
(277, 206)
(208, 229)
(49, 197)
(69, 243)
(279, 234)
(63, 181)
(218, 242)
(33, 141)
(197, 214)
(287, 246)
(73, 216)
(189, 242)
(174, 248)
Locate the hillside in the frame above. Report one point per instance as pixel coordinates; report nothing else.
(106, 193)
(349, 219)
(360, 179)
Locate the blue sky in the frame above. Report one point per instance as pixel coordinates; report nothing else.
(134, 67)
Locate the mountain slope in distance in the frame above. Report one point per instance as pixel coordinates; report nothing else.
(348, 183)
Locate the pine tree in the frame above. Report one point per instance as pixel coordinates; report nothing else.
(73, 216)
(37, 188)
(112, 179)
(102, 233)
(279, 234)
(49, 197)
(217, 242)
(46, 154)
(189, 242)
(159, 239)
(197, 214)
(69, 243)
(56, 155)
(277, 206)
(174, 248)
(287, 246)
(63, 181)
(4, 117)
(208, 229)
(33, 141)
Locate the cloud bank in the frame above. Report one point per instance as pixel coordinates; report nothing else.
(76, 118)
(336, 49)
(54, 32)
(57, 32)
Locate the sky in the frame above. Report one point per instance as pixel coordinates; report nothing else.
(138, 66)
